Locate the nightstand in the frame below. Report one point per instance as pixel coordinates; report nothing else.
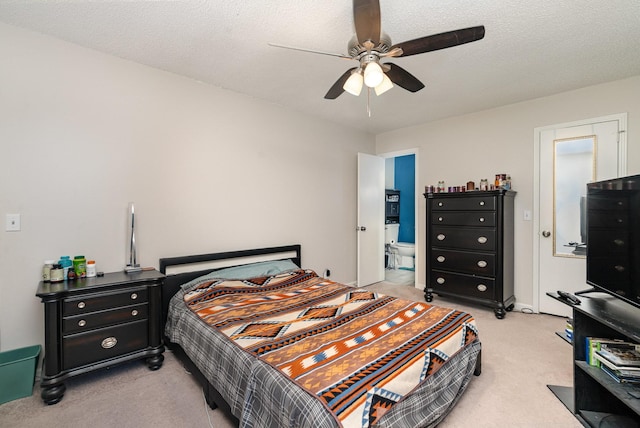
(92, 323)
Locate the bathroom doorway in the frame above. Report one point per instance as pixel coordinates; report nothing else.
(400, 230)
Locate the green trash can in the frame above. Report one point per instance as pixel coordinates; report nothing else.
(18, 372)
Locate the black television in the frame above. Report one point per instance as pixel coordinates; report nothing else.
(613, 237)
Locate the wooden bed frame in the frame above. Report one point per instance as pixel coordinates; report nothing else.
(203, 264)
(178, 272)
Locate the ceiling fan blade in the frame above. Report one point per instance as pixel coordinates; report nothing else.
(366, 17)
(440, 41)
(403, 78)
(337, 89)
(275, 45)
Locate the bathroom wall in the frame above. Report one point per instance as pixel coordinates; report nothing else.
(405, 182)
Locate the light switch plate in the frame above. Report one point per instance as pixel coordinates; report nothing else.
(13, 223)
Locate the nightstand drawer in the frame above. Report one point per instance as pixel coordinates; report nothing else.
(99, 302)
(98, 345)
(93, 320)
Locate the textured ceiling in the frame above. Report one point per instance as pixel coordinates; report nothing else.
(531, 48)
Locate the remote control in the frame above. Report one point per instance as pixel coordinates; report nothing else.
(569, 297)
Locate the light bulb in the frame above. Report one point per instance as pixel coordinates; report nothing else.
(384, 86)
(353, 85)
(373, 75)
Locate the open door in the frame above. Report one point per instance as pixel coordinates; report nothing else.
(370, 221)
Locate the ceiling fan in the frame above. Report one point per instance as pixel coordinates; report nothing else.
(370, 45)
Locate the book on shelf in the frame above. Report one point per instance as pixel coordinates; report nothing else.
(594, 344)
(624, 371)
(619, 375)
(621, 354)
(568, 330)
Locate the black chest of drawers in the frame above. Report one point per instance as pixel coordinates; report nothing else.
(470, 247)
(93, 323)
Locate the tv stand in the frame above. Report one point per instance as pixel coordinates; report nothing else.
(595, 396)
(588, 290)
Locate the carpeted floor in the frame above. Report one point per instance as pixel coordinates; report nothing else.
(520, 355)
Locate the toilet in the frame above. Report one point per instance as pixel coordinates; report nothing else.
(404, 252)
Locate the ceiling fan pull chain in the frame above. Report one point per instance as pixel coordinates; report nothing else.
(369, 101)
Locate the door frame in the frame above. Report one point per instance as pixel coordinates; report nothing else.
(537, 132)
(417, 194)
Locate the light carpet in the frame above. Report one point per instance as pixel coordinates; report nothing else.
(520, 355)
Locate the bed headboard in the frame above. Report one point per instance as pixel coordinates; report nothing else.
(182, 269)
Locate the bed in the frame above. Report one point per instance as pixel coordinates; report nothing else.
(275, 345)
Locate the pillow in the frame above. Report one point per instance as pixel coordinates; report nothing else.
(252, 270)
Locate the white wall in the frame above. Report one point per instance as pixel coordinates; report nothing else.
(82, 134)
(500, 140)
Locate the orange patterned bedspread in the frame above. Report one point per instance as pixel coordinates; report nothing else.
(357, 351)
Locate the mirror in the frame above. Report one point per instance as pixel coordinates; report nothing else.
(574, 165)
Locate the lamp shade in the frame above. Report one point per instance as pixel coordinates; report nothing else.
(373, 75)
(384, 86)
(353, 85)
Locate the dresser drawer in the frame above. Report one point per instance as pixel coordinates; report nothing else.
(603, 242)
(98, 302)
(610, 270)
(609, 220)
(472, 218)
(464, 238)
(608, 203)
(463, 285)
(97, 345)
(464, 262)
(93, 320)
(476, 203)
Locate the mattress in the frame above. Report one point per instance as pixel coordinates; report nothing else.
(297, 350)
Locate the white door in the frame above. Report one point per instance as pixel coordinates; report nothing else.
(370, 222)
(570, 155)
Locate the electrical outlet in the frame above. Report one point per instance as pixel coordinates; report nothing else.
(13, 223)
(527, 215)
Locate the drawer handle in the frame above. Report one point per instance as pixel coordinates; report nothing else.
(134, 296)
(109, 342)
(82, 323)
(618, 242)
(440, 280)
(481, 219)
(441, 237)
(440, 219)
(619, 221)
(619, 268)
(134, 312)
(482, 203)
(440, 204)
(482, 287)
(81, 305)
(482, 239)
(482, 264)
(440, 259)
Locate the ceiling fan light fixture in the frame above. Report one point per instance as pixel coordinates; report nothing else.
(373, 75)
(353, 85)
(384, 86)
